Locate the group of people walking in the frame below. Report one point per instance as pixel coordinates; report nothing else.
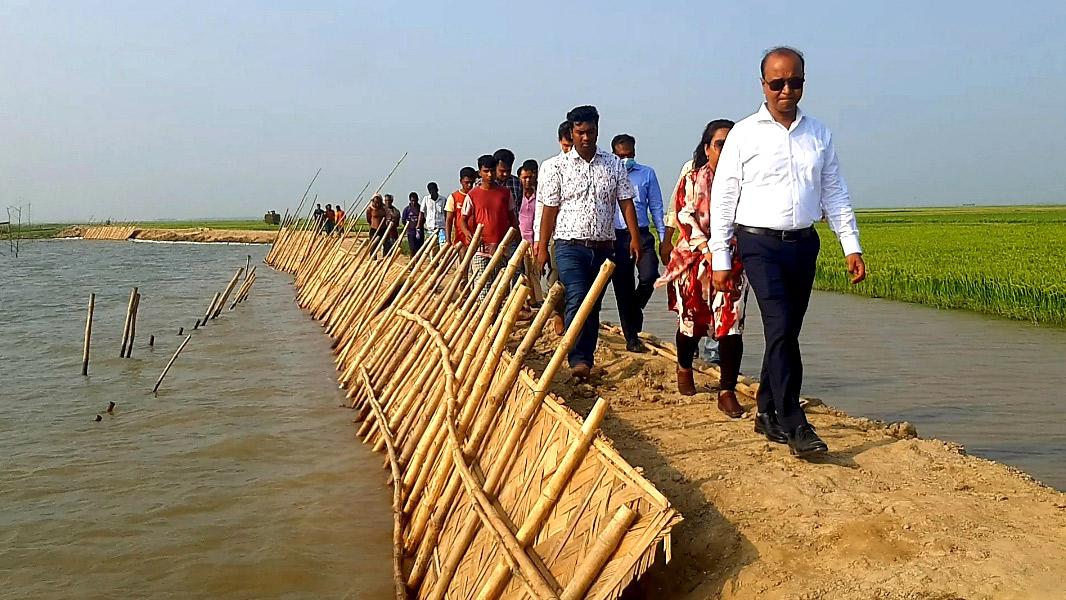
(739, 222)
(329, 219)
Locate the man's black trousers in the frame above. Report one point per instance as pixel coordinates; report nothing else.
(632, 296)
(781, 274)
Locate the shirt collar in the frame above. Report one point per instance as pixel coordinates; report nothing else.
(600, 154)
(765, 116)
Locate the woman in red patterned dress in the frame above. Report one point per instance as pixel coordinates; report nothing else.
(700, 310)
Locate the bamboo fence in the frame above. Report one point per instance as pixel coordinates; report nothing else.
(111, 232)
(499, 490)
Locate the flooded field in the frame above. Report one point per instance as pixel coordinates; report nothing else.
(240, 480)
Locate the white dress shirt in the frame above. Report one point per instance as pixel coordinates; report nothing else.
(777, 178)
(587, 194)
(434, 211)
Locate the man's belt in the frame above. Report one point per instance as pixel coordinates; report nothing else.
(593, 244)
(785, 235)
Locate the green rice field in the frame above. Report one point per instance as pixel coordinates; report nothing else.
(1003, 261)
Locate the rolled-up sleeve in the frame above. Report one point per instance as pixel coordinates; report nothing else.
(836, 202)
(725, 194)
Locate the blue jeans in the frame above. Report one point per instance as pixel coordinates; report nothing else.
(578, 267)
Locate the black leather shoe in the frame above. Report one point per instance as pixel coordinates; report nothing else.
(766, 424)
(636, 346)
(803, 441)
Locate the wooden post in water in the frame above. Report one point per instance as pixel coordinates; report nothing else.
(151, 341)
(229, 290)
(166, 369)
(210, 308)
(133, 325)
(88, 335)
(126, 326)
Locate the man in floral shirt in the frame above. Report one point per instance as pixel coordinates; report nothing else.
(580, 193)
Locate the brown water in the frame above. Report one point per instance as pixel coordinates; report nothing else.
(998, 387)
(241, 480)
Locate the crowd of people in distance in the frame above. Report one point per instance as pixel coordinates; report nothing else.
(329, 220)
(738, 222)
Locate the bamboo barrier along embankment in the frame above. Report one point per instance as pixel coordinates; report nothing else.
(499, 490)
(109, 232)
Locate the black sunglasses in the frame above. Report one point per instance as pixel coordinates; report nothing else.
(776, 85)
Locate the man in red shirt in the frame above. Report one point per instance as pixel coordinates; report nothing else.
(453, 208)
(492, 207)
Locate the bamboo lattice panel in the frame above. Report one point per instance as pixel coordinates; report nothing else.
(114, 232)
(586, 515)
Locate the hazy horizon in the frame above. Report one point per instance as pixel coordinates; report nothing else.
(209, 111)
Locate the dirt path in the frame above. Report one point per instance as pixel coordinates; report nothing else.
(881, 517)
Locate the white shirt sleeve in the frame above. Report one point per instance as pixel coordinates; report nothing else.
(725, 195)
(550, 186)
(836, 202)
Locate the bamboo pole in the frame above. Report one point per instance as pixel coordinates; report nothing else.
(240, 290)
(296, 213)
(426, 494)
(526, 412)
(397, 493)
(549, 497)
(606, 544)
(538, 584)
(210, 308)
(133, 325)
(229, 290)
(480, 430)
(248, 290)
(126, 324)
(88, 335)
(166, 369)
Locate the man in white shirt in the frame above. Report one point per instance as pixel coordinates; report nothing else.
(433, 211)
(777, 176)
(583, 189)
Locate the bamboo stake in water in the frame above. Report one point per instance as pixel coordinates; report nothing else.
(210, 308)
(88, 335)
(133, 325)
(126, 325)
(166, 369)
(225, 295)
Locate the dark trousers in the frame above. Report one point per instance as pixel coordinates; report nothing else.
(781, 274)
(414, 241)
(731, 351)
(632, 296)
(578, 267)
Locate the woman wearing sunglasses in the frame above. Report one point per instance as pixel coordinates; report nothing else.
(700, 310)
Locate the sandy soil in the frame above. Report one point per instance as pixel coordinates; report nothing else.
(199, 234)
(206, 235)
(883, 516)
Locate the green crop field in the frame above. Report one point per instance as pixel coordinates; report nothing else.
(1004, 261)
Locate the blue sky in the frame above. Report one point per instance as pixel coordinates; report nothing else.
(138, 110)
